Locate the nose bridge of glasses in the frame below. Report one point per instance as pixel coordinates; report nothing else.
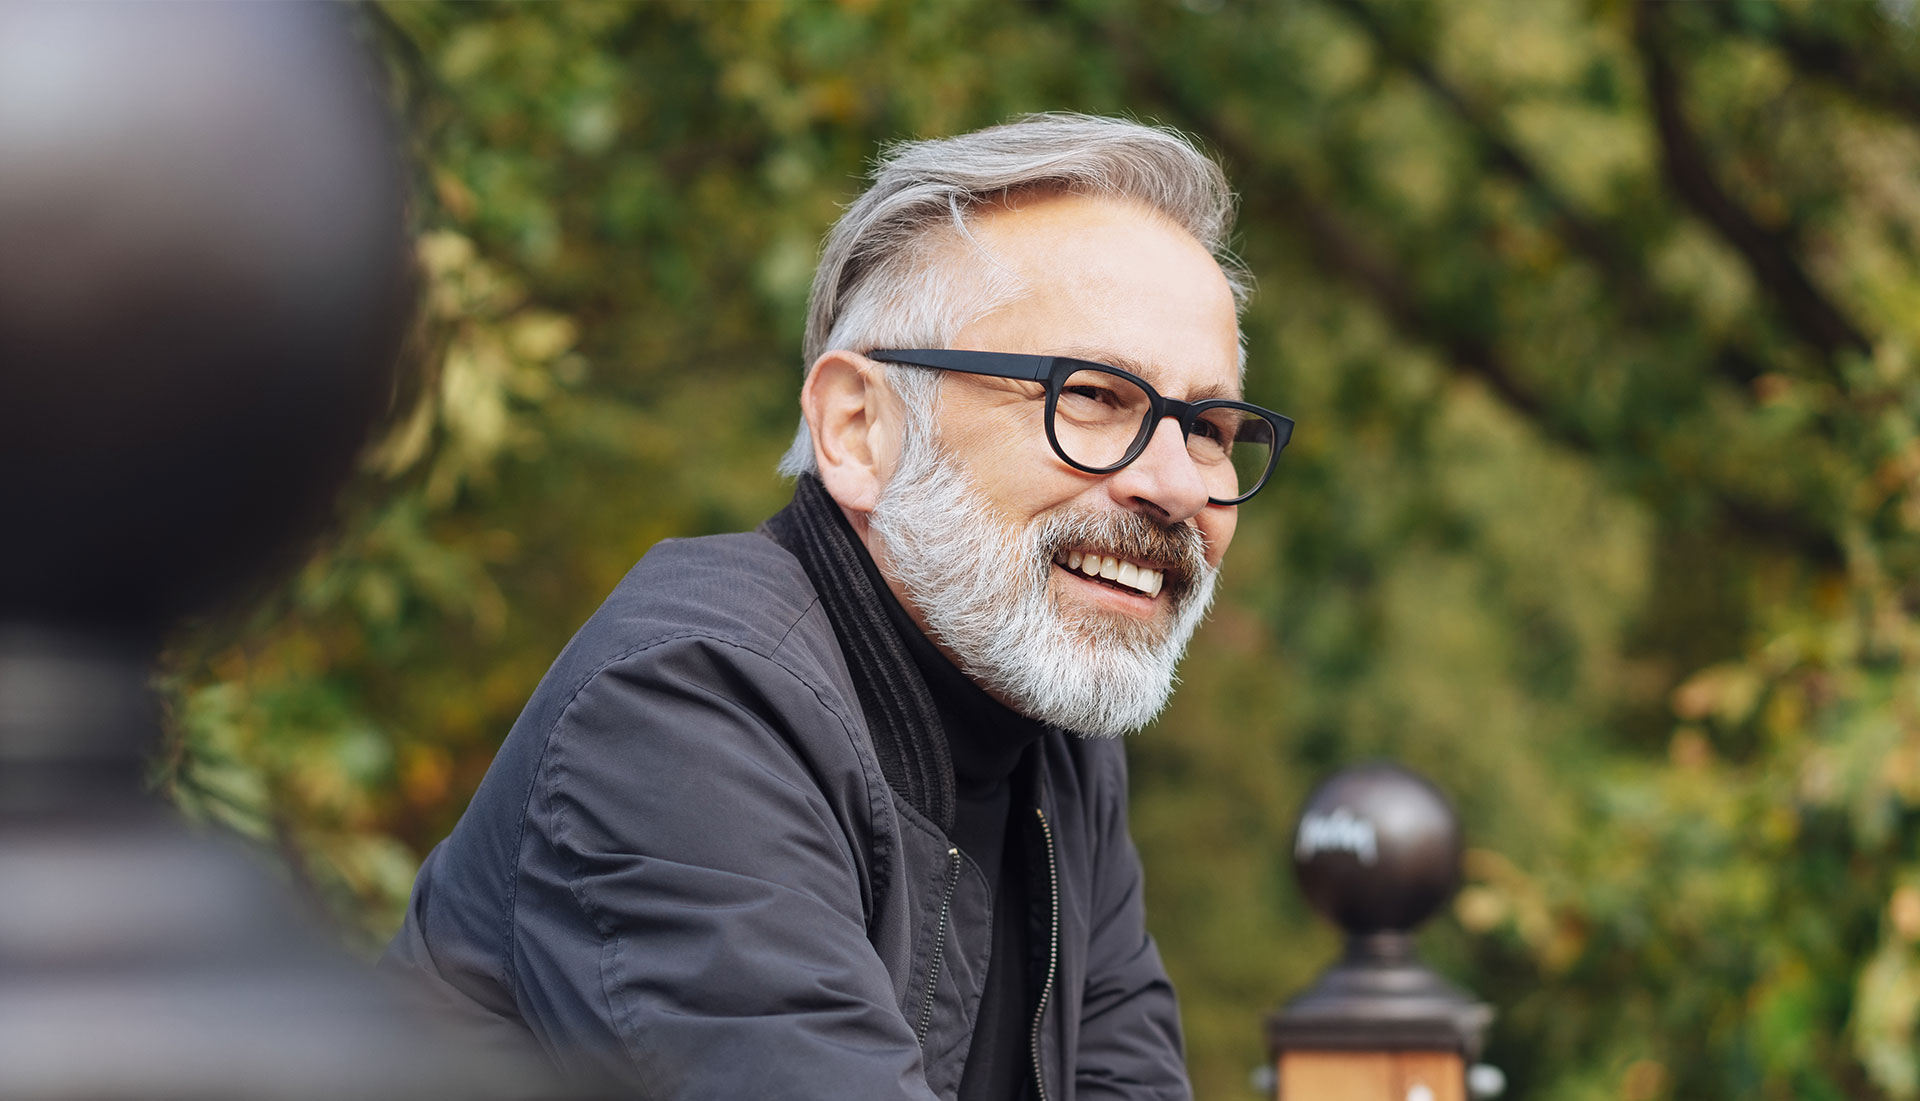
(1185, 414)
(1209, 460)
(1183, 422)
(1163, 472)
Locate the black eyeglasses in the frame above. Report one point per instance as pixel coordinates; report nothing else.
(1100, 418)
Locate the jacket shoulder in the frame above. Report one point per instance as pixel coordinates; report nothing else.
(715, 609)
(742, 589)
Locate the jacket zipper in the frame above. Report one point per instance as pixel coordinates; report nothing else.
(939, 945)
(1053, 951)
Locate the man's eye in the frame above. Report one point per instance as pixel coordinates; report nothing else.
(1098, 394)
(1211, 439)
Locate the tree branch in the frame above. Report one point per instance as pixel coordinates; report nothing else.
(1337, 249)
(1890, 87)
(1816, 319)
(1496, 148)
(1624, 268)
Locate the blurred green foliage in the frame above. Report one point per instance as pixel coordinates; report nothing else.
(1600, 320)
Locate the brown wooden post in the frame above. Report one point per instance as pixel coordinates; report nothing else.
(1377, 851)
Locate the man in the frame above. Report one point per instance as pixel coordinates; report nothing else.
(833, 809)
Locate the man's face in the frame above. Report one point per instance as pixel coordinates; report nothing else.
(1105, 281)
(1113, 283)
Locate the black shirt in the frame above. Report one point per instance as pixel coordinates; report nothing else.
(989, 742)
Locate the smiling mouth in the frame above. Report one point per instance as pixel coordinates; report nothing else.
(1118, 573)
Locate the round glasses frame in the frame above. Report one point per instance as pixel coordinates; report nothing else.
(1053, 372)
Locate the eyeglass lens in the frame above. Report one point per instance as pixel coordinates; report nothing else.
(1100, 416)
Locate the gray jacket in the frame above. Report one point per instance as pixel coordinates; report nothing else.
(685, 869)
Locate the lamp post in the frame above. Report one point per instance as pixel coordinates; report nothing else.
(1377, 852)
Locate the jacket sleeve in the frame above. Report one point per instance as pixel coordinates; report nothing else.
(688, 913)
(1130, 1046)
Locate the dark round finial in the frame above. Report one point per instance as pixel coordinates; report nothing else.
(204, 280)
(1377, 849)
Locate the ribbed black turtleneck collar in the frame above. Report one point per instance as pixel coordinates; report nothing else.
(987, 741)
(985, 736)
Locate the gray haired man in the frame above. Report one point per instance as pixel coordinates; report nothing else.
(834, 809)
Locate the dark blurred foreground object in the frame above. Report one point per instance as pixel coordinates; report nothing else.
(203, 286)
(1377, 851)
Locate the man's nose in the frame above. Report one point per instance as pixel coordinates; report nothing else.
(1164, 481)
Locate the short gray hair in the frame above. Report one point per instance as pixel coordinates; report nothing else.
(886, 274)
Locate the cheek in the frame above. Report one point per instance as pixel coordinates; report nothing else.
(1217, 524)
(1031, 492)
(1024, 480)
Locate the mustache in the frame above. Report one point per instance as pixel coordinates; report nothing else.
(1178, 549)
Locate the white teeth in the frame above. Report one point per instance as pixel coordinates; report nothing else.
(1146, 580)
(1142, 579)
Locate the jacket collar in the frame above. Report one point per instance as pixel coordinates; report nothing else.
(908, 739)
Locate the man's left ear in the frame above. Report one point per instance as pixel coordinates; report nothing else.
(855, 423)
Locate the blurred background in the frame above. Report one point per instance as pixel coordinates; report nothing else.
(1601, 322)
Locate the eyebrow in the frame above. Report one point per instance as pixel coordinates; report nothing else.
(1148, 371)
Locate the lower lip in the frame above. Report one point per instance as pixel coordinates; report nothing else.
(1131, 603)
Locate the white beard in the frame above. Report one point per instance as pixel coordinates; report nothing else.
(985, 588)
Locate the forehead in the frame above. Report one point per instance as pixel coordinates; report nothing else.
(1111, 281)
